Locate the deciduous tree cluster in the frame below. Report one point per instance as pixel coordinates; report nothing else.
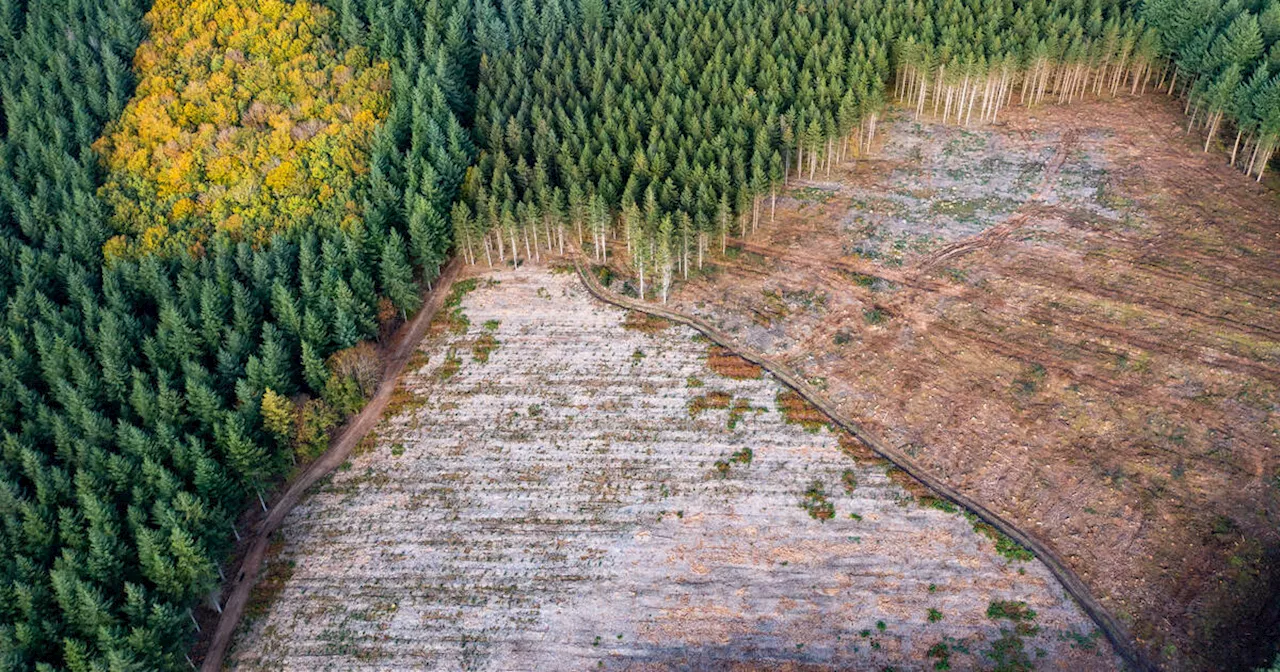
(248, 118)
(184, 322)
(146, 401)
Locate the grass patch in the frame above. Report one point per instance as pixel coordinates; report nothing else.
(904, 480)
(276, 573)
(817, 505)
(852, 447)
(1030, 380)
(742, 457)
(484, 346)
(452, 362)
(798, 411)
(939, 504)
(875, 315)
(709, 401)
(724, 362)
(451, 318)
(808, 195)
(849, 480)
(940, 653)
(1010, 610)
(693, 381)
(860, 279)
(402, 399)
(644, 322)
(1009, 653)
(365, 445)
(774, 308)
(739, 409)
(1004, 545)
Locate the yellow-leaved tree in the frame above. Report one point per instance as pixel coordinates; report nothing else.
(249, 118)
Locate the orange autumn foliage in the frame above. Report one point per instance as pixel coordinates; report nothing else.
(248, 118)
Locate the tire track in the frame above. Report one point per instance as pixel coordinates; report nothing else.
(406, 342)
(998, 234)
(1071, 582)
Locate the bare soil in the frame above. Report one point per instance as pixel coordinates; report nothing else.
(606, 491)
(1074, 317)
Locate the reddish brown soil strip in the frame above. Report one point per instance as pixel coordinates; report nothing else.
(1119, 637)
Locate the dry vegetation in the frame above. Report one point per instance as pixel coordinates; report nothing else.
(571, 505)
(1073, 316)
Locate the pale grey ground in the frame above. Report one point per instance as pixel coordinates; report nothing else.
(951, 183)
(557, 508)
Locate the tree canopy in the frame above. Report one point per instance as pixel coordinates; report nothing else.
(247, 119)
(196, 252)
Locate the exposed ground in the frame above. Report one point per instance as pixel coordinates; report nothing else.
(251, 551)
(564, 486)
(1074, 317)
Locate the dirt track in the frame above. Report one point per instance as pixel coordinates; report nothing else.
(1119, 638)
(406, 342)
(1105, 376)
(569, 500)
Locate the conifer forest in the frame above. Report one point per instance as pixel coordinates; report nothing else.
(217, 215)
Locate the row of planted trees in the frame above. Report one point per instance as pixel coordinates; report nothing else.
(1223, 58)
(674, 129)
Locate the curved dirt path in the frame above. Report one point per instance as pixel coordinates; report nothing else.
(1115, 634)
(406, 342)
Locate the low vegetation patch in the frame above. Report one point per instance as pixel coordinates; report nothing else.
(743, 457)
(484, 346)
(940, 653)
(849, 479)
(276, 573)
(645, 323)
(938, 503)
(851, 446)
(907, 482)
(1004, 545)
(451, 319)
(816, 503)
(724, 362)
(709, 401)
(1009, 653)
(738, 409)
(876, 315)
(798, 411)
(452, 362)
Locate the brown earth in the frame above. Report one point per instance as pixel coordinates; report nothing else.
(1072, 317)
(254, 549)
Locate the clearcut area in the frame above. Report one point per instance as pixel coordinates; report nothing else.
(567, 486)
